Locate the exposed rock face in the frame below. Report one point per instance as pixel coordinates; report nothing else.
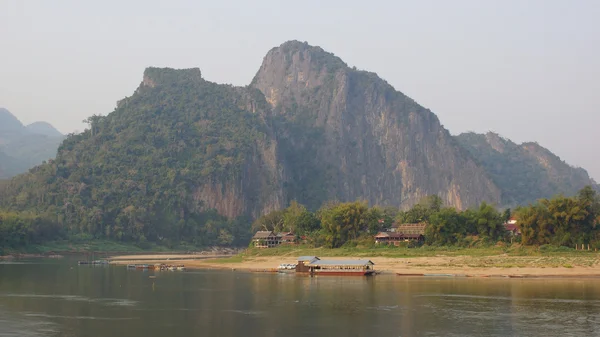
(307, 128)
(370, 141)
(256, 190)
(240, 172)
(525, 172)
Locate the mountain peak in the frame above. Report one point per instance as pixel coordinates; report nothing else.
(43, 128)
(8, 121)
(156, 76)
(297, 68)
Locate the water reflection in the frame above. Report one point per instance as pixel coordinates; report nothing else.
(62, 299)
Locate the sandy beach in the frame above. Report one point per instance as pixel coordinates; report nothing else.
(500, 265)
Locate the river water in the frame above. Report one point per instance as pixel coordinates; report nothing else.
(59, 298)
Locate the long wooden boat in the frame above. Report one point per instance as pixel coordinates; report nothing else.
(341, 268)
(343, 273)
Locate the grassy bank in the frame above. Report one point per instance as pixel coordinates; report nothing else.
(403, 252)
(438, 257)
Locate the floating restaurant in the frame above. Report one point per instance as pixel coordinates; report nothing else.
(315, 266)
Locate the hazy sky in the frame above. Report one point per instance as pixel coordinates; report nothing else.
(528, 70)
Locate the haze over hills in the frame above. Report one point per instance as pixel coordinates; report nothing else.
(22, 147)
(308, 128)
(525, 172)
(43, 128)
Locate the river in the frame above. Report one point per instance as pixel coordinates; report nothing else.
(56, 297)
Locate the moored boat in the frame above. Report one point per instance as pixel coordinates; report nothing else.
(286, 268)
(341, 268)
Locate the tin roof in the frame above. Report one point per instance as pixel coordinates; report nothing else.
(263, 234)
(410, 228)
(308, 258)
(342, 263)
(389, 235)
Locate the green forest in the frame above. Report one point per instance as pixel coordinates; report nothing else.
(559, 221)
(525, 172)
(131, 175)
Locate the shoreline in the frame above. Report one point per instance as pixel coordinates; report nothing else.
(437, 266)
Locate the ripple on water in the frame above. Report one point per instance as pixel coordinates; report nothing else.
(104, 301)
(506, 298)
(247, 312)
(17, 325)
(528, 316)
(81, 317)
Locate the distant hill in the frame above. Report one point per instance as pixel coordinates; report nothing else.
(23, 147)
(8, 166)
(524, 172)
(8, 121)
(43, 128)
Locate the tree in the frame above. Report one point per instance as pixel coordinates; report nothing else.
(489, 222)
(445, 227)
(342, 222)
(273, 221)
(296, 218)
(506, 215)
(422, 211)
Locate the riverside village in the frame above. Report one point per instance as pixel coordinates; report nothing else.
(411, 234)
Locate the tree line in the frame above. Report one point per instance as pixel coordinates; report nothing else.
(560, 221)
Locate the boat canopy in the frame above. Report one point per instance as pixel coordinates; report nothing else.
(341, 263)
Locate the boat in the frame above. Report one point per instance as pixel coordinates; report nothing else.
(286, 268)
(341, 268)
(94, 263)
(100, 262)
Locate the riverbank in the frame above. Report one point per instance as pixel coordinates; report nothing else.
(476, 263)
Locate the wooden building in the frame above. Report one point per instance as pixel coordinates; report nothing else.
(269, 239)
(393, 238)
(409, 228)
(512, 227)
(265, 239)
(288, 238)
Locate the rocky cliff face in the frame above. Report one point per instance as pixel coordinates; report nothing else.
(223, 131)
(368, 140)
(181, 154)
(524, 172)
